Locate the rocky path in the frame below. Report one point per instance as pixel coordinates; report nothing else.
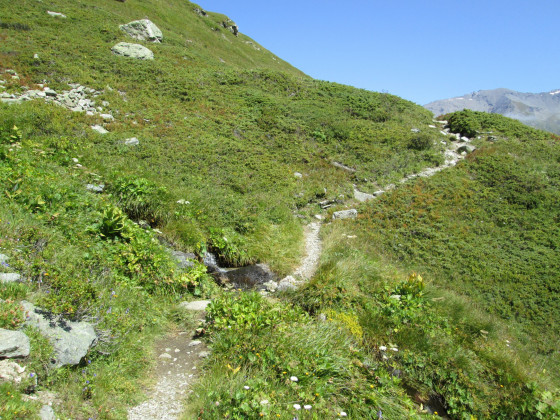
(310, 262)
(178, 357)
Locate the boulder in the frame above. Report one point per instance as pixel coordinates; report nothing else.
(362, 197)
(466, 148)
(197, 305)
(250, 276)
(95, 188)
(345, 214)
(71, 340)
(13, 344)
(143, 30)
(133, 51)
(11, 372)
(133, 141)
(99, 129)
(9, 277)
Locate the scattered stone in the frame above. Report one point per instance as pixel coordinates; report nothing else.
(322, 317)
(432, 126)
(204, 354)
(138, 51)
(443, 132)
(287, 283)
(13, 344)
(195, 343)
(344, 167)
(95, 188)
(71, 340)
(183, 202)
(318, 217)
(298, 175)
(50, 92)
(165, 356)
(345, 214)
(362, 197)
(415, 130)
(197, 305)
(133, 141)
(9, 277)
(466, 148)
(11, 372)
(143, 30)
(56, 14)
(271, 286)
(99, 129)
(36, 56)
(47, 413)
(107, 117)
(464, 138)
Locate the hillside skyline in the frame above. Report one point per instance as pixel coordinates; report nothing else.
(421, 52)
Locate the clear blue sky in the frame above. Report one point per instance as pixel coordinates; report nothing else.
(421, 50)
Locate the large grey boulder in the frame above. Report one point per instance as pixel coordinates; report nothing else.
(71, 340)
(251, 276)
(143, 30)
(345, 214)
(133, 51)
(13, 344)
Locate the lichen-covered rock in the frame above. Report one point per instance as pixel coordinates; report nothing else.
(133, 51)
(11, 372)
(71, 340)
(143, 30)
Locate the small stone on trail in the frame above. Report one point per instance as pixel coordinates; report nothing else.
(195, 343)
(204, 354)
(165, 356)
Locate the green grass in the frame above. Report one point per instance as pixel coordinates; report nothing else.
(224, 124)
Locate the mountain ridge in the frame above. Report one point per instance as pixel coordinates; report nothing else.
(539, 110)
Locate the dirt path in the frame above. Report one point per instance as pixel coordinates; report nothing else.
(310, 262)
(178, 357)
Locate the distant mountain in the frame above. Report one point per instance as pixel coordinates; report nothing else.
(540, 110)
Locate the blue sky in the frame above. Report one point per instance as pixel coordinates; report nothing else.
(421, 50)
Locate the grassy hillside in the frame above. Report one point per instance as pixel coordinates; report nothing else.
(225, 125)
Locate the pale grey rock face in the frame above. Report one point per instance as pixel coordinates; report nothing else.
(137, 51)
(47, 413)
(9, 277)
(345, 214)
(362, 197)
(71, 340)
(11, 372)
(13, 344)
(143, 30)
(199, 305)
(99, 129)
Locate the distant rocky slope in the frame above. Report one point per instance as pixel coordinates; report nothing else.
(540, 110)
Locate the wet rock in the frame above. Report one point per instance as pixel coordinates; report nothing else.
(250, 276)
(184, 259)
(13, 344)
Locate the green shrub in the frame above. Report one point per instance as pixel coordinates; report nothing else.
(421, 141)
(11, 314)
